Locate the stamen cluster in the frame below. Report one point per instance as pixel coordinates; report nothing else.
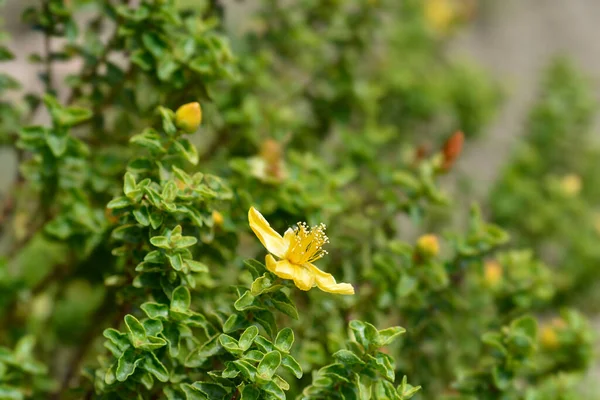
(307, 243)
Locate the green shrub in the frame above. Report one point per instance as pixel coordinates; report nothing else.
(148, 249)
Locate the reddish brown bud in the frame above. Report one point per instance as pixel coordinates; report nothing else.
(452, 149)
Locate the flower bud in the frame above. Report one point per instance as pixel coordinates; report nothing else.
(452, 149)
(188, 117)
(571, 185)
(217, 218)
(428, 246)
(549, 338)
(492, 273)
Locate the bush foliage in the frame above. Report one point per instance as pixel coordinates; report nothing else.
(147, 248)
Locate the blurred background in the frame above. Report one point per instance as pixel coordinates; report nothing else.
(512, 39)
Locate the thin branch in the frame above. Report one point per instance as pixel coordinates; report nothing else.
(49, 79)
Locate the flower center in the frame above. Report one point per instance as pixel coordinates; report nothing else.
(307, 244)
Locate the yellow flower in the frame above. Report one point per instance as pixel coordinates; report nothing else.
(296, 250)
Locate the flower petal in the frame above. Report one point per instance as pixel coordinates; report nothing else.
(326, 282)
(272, 240)
(304, 279)
(283, 269)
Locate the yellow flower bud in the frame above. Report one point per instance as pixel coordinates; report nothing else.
(440, 14)
(549, 338)
(217, 218)
(571, 185)
(188, 117)
(492, 273)
(428, 245)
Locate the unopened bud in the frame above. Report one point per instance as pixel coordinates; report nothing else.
(549, 338)
(428, 245)
(188, 117)
(217, 218)
(271, 151)
(571, 185)
(439, 14)
(492, 273)
(452, 149)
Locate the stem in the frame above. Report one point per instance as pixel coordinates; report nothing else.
(49, 84)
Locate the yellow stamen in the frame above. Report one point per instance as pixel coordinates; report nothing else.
(307, 243)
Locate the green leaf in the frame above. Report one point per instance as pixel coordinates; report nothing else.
(245, 302)
(387, 336)
(161, 242)
(10, 393)
(182, 242)
(141, 216)
(176, 261)
(405, 390)
(156, 219)
(153, 327)
(152, 343)
(155, 44)
(181, 299)
(172, 335)
(250, 392)
(284, 340)
(187, 149)
(127, 364)
(119, 339)
(273, 390)
(385, 365)
(256, 267)
(262, 285)
(365, 333)
(247, 369)
(118, 202)
(153, 365)
(282, 303)
(267, 321)
(150, 140)
(247, 337)
(347, 357)
(57, 143)
(264, 344)
(136, 331)
(527, 325)
(229, 343)
(156, 310)
(290, 363)
(166, 67)
(269, 364)
(196, 266)
(211, 390)
(199, 356)
(129, 184)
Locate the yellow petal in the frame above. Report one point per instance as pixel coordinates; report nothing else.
(283, 269)
(303, 278)
(326, 282)
(272, 240)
